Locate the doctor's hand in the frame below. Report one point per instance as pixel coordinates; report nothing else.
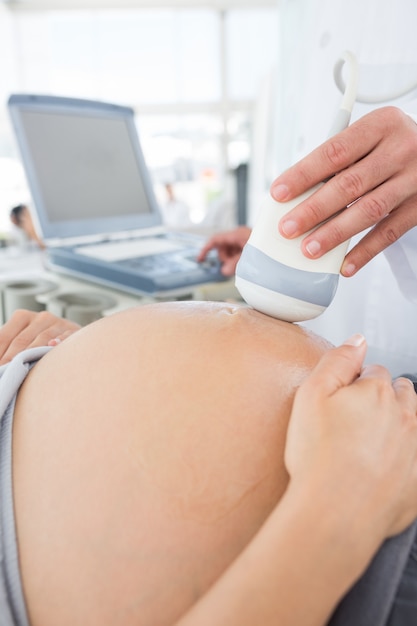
(229, 246)
(29, 329)
(372, 164)
(352, 438)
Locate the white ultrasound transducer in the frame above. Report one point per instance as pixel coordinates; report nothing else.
(272, 274)
(275, 277)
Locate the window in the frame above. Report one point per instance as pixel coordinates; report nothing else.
(192, 76)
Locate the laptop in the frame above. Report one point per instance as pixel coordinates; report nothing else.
(94, 201)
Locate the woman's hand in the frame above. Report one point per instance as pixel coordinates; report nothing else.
(353, 435)
(372, 167)
(229, 246)
(27, 329)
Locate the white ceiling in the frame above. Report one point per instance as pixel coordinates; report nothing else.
(42, 5)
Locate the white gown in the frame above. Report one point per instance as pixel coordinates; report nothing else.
(381, 300)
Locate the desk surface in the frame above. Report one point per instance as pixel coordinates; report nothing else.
(27, 263)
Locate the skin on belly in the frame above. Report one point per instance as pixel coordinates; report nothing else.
(148, 450)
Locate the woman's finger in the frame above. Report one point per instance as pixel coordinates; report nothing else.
(337, 368)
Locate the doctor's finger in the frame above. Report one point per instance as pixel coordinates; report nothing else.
(331, 157)
(211, 244)
(385, 132)
(362, 180)
(386, 232)
(229, 264)
(371, 209)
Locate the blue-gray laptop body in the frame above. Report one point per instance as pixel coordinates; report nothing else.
(94, 201)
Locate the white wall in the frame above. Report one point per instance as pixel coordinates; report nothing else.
(314, 33)
(13, 189)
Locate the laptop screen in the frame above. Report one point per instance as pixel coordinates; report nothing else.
(84, 166)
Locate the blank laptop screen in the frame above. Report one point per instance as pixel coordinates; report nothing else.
(84, 166)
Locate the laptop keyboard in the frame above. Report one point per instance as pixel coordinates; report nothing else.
(154, 256)
(158, 264)
(130, 248)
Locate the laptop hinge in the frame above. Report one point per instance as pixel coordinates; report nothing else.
(66, 242)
